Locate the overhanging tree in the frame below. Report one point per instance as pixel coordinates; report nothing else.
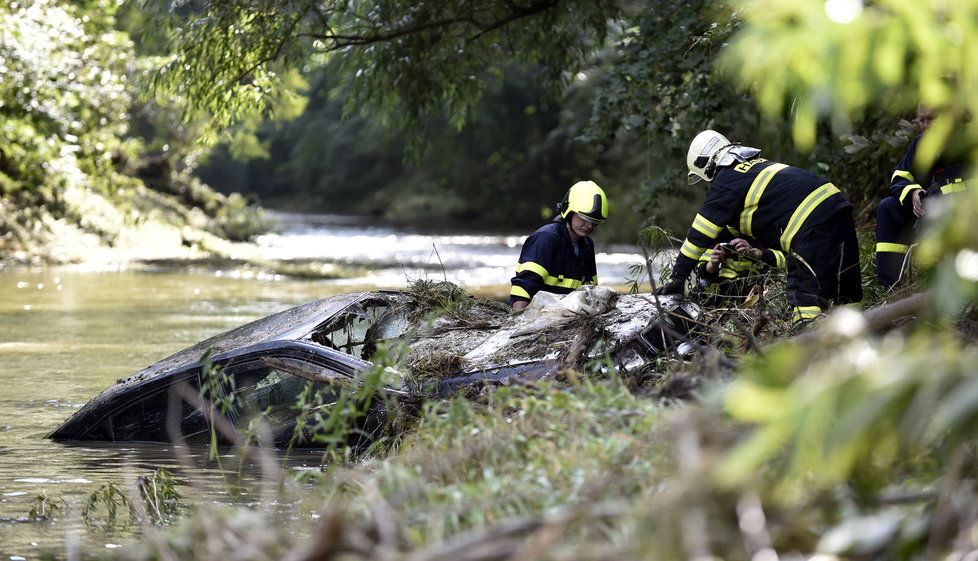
(405, 59)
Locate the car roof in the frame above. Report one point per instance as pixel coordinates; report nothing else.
(287, 325)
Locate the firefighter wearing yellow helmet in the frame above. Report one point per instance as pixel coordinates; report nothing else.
(559, 257)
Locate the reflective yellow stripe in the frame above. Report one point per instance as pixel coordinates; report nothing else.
(532, 267)
(902, 174)
(705, 258)
(691, 251)
(562, 282)
(754, 196)
(559, 280)
(906, 191)
(739, 265)
(519, 291)
(594, 279)
(733, 231)
(884, 247)
(705, 227)
(800, 313)
(803, 211)
(779, 261)
(956, 187)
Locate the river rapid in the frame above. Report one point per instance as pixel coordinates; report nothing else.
(67, 333)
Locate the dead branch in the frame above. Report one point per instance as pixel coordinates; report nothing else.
(882, 317)
(502, 540)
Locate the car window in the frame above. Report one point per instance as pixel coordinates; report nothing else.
(359, 328)
(269, 392)
(146, 419)
(243, 391)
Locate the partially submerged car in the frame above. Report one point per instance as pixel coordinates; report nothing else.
(443, 339)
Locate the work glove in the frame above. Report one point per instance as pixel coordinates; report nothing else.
(675, 286)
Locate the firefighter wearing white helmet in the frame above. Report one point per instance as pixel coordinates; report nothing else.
(783, 208)
(559, 257)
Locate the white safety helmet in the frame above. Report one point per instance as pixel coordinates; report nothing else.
(702, 155)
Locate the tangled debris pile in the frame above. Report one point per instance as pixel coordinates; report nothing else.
(448, 333)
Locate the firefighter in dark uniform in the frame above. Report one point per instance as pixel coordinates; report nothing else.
(559, 257)
(897, 213)
(785, 208)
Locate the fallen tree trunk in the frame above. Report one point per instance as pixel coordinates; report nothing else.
(876, 319)
(882, 317)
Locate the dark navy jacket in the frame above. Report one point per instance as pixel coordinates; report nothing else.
(943, 177)
(771, 202)
(548, 262)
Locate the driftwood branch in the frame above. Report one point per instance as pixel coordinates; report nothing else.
(882, 317)
(877, 319)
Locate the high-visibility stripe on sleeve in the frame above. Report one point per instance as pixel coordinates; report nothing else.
(733, 231)
(519, 292)
(534, 268)
(804, 210)
(801, 313)
(956, 187)
(902, 174)
(705, 227)
(886, 247)
(691, 251)
(754, 194)
(779, 260)
(906, 191)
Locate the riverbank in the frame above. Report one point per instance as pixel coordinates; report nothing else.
(90, 228)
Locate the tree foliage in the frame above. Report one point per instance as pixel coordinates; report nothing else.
(815, 62)
(69, 82)
(63, 96)
(404, 58)
(887, 56)
(513, 160)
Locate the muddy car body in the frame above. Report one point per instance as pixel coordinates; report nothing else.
(269, 363)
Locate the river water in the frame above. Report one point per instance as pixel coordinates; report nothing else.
(67, 333)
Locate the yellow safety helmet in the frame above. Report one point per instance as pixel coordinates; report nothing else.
(586, 199)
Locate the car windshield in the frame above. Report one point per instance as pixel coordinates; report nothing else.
(361, 326)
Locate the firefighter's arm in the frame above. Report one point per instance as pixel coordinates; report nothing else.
(535, 257)
(903, 185)
(718, 210)
(774, 258)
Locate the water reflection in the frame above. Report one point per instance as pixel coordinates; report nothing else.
(73, 342)
(395, 256)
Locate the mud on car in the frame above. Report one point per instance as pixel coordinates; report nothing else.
(444, 340)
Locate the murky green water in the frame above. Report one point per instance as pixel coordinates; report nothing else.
(64, 337)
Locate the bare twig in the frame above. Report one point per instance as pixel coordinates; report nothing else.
(749, 335)
(496, 542)
(444, 274)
